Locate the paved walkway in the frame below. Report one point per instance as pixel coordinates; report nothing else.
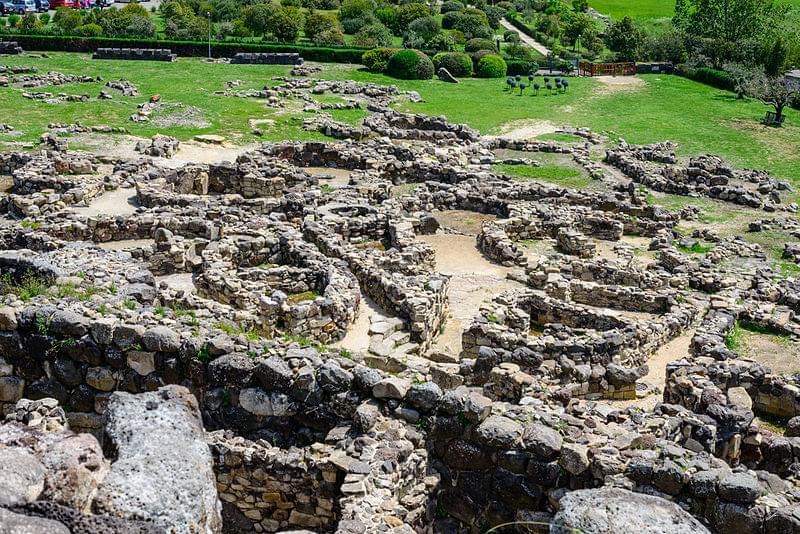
(527, 39)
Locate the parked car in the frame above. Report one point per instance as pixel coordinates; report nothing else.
(3, 8)
(42, 6)
(55, 4)
(103, 3)
(23, 6)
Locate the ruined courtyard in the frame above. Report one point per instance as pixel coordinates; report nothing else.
(399, 328)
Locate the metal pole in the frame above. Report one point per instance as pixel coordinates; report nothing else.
(208, 14)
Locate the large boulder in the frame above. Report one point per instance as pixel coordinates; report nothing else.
(619, 511)
(164, 470)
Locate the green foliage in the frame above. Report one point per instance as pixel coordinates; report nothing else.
(29, 286)
(725, 20)
(473, 25)
(203, 355)
(410, 65)
(518, 51)
(186, 48)
(377, 59)
(373, 35)
(695, 248)
(713, 77)
(775, 62)
(457, 63)
(491, 66)
(473, 45)
(625, 39)
(45, 18)
(580, 5)
(296, 298)
(406, 14)
(734, 338)
(30, 23)
(42, 324)
(317, 23)
(451, 5)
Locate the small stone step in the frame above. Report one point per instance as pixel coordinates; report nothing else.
(406, 348)
(399, 338)
(380, 348)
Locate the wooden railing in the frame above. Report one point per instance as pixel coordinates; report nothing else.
(607, 69)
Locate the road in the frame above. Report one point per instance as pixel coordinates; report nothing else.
(527, 39)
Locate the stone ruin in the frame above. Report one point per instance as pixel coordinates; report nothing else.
(179, 362)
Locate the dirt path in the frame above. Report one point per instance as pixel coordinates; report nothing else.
(474, 279)
(527, 39)
(525, 129)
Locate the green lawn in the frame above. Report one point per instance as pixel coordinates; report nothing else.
(639, 9)
(564, 175)
(645, 9)
(699, 118)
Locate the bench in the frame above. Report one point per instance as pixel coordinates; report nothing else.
(771, 120)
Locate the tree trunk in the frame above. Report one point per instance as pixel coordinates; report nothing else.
(779, 111)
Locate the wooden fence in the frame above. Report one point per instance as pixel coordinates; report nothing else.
(607, 69)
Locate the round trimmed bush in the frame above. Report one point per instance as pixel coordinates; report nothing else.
(491, 66)
(477, 56)
(377, 59)
(473, 45)
(456, 63)
(410, 65)
(451, 5)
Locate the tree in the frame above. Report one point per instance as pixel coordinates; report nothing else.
(776, 58)
(729, 20)
(625, 39)
(775, 91)
(580, 5)
(579, 25)
(317, 23)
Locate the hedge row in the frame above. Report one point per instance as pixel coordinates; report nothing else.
(713, 77)
(58, 43)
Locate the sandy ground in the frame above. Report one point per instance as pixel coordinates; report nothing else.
(341, 177)
(182, 281)
(615, 84)
(121, 201)
(468, 222)
(474, 280)
(122, 146)
(779, 354)
(357, 338)
(657, 375)
(525, 129)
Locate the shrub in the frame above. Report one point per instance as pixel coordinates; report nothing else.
(473, 45)
(457, 63)
(332, 37)
(286, 24)
(45, 18)
(491, 66)
(354, 25)
(473, 26)
(518, 51)
(480, 54)
(387, 15)
(377, 59)
(407, 14)
(90, 30)
(451, 5)
(319, 22)
(410, 65)
(442, 42)
(373, 35)
(510, 36)
(450, 19)
(425, 28)
(29, 23)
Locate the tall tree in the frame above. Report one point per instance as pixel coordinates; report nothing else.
(625, 39)
(728, 20)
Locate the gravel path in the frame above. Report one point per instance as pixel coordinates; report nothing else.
(527, 39)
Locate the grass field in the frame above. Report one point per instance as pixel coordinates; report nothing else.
(639, 9)
(646, 9)
(699, 118)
